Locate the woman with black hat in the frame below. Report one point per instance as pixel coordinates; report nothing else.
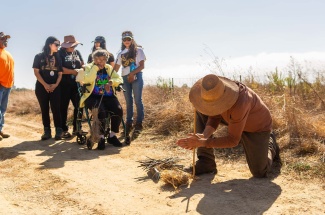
(71, 60)
(100, 43)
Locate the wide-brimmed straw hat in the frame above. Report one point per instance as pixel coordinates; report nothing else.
(69, 41)
(213, 95)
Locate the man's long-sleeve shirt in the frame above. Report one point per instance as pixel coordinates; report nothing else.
(249, 114)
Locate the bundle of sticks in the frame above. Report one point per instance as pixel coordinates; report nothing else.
(166, 170)
(160, 164)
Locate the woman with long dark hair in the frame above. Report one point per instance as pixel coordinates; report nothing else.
(132, 58)
(48, 71)
(71, 59)
(100, 43)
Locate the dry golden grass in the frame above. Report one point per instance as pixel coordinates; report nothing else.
(175, 177)
(23, 102)
(298, 121)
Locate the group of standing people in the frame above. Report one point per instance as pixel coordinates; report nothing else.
(217, 100)
(56, 71)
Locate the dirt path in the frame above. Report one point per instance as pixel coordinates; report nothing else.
(48, 177)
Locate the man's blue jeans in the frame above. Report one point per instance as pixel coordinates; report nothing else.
(4, 96)
(134, 88)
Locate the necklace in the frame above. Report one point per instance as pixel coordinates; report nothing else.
(51, 62)
(73, 57)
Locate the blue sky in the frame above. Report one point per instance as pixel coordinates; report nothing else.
(179, 37)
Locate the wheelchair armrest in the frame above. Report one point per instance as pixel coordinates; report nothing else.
(84, 88)
(120, 88)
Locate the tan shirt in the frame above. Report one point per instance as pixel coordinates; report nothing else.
(249, 114)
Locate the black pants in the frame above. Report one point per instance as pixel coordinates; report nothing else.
(109, 105)
(44, 99)
(69, 92)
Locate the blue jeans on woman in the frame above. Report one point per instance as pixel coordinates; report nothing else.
(4, 96)
(133, 89)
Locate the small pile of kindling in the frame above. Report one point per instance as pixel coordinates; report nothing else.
(167, 170)
(175, 177)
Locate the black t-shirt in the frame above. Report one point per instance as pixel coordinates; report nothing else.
(109, 61)
(48, 67)
(70, 61)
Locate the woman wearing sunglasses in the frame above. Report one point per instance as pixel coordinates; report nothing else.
(71, 60)
(100, 43)
(48, 71)
(132, 60)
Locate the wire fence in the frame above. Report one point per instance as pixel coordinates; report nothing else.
(244, 77)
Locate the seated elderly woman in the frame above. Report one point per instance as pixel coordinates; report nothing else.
(101, 94)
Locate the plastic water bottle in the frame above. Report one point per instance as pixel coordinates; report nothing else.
(133, 67)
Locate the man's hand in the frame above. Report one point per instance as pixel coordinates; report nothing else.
(197, 135)
(192, 141)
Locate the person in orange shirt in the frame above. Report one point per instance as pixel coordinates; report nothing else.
(6, 79)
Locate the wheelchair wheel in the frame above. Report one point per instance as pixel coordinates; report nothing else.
(81, 139)
(89, 144)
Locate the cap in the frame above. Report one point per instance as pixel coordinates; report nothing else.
(127, 34)
(99, 39)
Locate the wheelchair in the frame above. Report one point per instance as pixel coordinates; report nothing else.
(82, 135)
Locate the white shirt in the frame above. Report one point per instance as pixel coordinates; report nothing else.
(140, 56)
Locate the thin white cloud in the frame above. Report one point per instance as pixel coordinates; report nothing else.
(258, 65)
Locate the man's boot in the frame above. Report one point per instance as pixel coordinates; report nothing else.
(275, 149)
(58, 133)
(47, 134)
(205, 165)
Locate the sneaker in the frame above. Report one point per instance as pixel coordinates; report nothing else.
(101, 144)
(47, 134)
(114, 141)
(66, 134)
(4, 135)
(204, 166)
(137, 130)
